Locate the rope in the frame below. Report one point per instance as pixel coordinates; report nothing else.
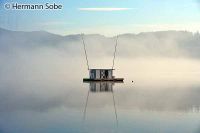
(85, 52)
(115, 53)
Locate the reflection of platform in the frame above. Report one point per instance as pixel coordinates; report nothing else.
(101, 86)
(114, 79)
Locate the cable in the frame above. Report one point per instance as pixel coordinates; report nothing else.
(85, 52)
(86, 57)
(115, 52)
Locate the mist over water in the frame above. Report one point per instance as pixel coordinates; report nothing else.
(41, 88)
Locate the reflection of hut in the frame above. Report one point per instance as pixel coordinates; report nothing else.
(101, 86)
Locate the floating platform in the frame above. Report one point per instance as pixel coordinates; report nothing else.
(100, 80)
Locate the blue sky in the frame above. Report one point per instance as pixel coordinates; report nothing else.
(108, 17)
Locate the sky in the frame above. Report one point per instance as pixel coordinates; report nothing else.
(107, 17)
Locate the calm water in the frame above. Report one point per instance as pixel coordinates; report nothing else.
(76, 107)
(41, 92)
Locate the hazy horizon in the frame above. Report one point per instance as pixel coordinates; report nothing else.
(42, 89)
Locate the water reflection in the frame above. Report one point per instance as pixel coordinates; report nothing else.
(101, 86)
(98, 87)
(104, 106)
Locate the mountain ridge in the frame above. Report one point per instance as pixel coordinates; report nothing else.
(160, 43)
(96, 34)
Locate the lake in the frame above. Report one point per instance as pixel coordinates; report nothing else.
(42, 91)
(39, 106)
